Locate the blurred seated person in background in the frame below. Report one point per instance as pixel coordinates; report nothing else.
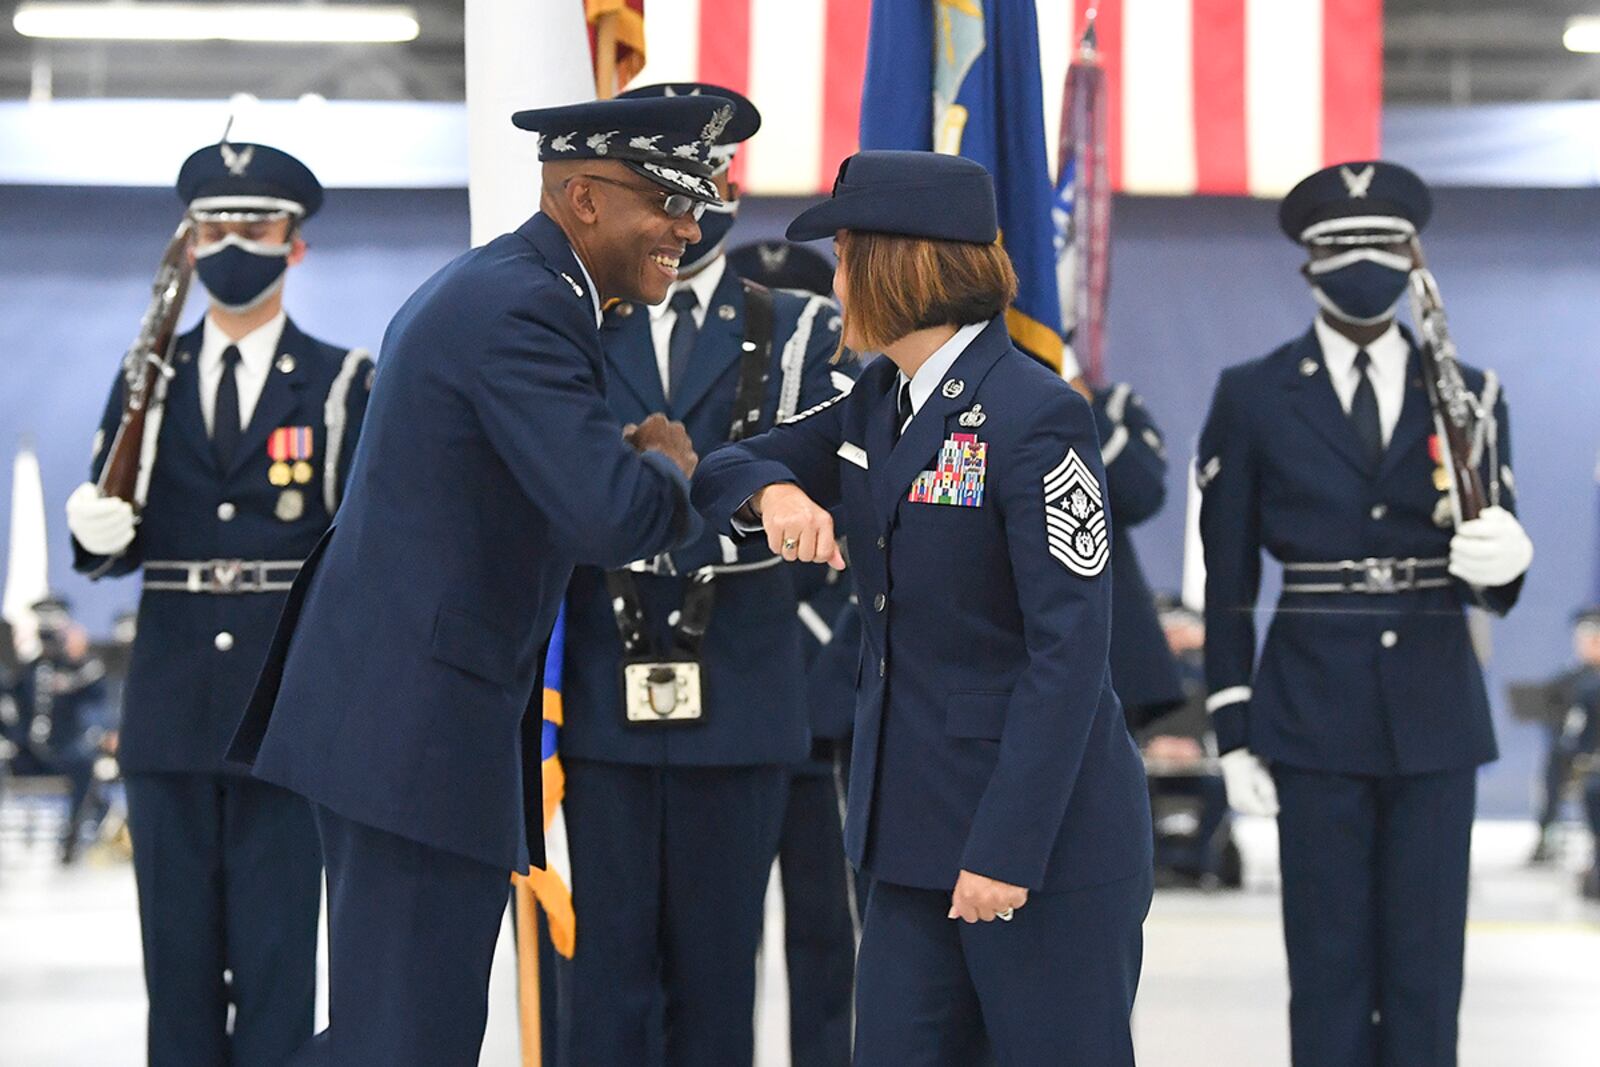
(1187, 797)
(1572, 732)
(63, 717)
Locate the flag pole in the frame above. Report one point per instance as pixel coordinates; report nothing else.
(605, 56)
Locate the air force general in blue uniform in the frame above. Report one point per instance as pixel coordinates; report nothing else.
(987, 735)
(1367, 701)
(673, 822)
(397, 690)
(252, 457)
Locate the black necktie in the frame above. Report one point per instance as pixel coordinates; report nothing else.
(225, 415)
(902, 409)
(681, 343)
(1364, 410)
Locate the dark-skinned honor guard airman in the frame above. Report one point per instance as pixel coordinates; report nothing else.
(1376, 469)
(244, 468)
(397, 690)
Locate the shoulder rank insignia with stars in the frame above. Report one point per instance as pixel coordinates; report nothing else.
(1075, 517)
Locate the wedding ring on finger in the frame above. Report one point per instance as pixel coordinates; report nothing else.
(790, 544)
(1005, 915)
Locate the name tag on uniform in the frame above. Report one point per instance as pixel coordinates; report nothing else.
(853, 454)
(957, 476)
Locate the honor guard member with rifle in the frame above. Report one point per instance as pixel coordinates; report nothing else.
(684, 683)
(1376, 470)
(1143, 670)
(996, 798)
(240, 449)
(397, 692)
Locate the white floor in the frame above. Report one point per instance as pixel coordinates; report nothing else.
(1213, 990)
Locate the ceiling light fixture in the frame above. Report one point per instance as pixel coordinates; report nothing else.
(121, 20)
(1583, 34)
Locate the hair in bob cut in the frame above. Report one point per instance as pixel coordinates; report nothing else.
(898, 285)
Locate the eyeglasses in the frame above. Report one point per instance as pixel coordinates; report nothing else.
(675, 205)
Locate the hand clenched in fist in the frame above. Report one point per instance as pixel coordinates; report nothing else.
(659, 434)
(797, 528)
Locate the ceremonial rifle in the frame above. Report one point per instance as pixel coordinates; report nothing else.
(1462, 425)
(146, 369)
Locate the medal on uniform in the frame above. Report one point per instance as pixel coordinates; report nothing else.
(957, 476)
(1441, 479)
(290, 449)
(1442, 515)
(291, 505)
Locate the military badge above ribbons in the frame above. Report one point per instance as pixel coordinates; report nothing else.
(1075, 517)
(290, 449)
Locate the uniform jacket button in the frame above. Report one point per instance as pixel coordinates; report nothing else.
(879, 601)
(1388, 639)
(883, 542)
(226, 511)
(223, 641)
(1379, 511)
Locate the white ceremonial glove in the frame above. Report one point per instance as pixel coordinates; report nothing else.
(1491, 549)
(102, 524)
(1251, 790)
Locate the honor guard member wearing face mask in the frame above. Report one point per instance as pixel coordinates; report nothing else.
(396, 695)
(260, 424)
(1364, 722)
(684, 683)
(996, 799)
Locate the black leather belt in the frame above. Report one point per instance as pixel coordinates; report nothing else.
(1374, 575)
(220, 576)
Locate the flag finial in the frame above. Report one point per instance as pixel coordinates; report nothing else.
(1089, 44)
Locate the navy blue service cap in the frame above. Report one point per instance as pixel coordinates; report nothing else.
(912, 194)
(1343, 196)
(667, 139)
(248, 178)
(783, 265)
(743, 126)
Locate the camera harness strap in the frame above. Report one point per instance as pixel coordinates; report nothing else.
(689, 623)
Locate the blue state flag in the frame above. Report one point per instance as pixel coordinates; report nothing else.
(978, 95)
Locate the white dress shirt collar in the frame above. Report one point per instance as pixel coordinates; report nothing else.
(1389, 354)
(594, 293)
(931, 373)
(257, 350)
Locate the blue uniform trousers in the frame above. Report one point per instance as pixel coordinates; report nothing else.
(419, 998)
(669, 873)
(229, 881)
(1052, 988)
(819, 935)
(1374, 914)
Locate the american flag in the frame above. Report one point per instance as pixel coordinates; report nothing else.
(1203, 96)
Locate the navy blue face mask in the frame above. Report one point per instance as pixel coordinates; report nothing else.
(715, 225)
(240, 273)
(1361, 286)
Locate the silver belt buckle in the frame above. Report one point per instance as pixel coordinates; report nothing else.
(225, 574)
(1380, 577)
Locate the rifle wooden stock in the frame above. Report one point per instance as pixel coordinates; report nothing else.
(145, 370)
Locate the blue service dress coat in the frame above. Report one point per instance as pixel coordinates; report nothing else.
(752, 665)
(987, 734)
(1143, 669)
(397, 683)
(197, 655)
(1348, 683)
